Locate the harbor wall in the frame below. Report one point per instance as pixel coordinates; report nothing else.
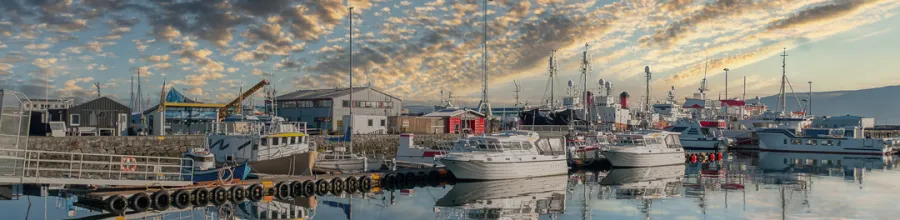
(384, 144)
(165, 146)
(173, 146)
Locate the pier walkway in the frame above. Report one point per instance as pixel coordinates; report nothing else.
(21, 165)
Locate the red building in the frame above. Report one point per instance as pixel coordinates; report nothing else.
(457, 120)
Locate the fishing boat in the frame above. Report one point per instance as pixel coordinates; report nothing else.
(505, 199)
(645, 149)
(269, 147)
(204, 168)
(506, 155)
(701, 134)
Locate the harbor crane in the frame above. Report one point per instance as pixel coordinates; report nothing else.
(224, 110)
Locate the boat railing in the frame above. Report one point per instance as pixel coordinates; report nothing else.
(83, 167)
(258, 128)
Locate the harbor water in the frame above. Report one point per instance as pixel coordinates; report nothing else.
(744, 185)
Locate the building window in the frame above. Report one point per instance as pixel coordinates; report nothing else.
(382, 122)
(370, 123)
(323, 103)
(346, 103)
(74, 120)
(274, 141)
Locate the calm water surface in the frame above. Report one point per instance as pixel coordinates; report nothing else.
(744, 186)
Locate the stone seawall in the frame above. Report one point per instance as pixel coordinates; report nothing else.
(173, 146)
(166, 146)
(386, 145)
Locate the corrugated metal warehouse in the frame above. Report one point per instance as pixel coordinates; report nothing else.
(324, 108)
(101, 116)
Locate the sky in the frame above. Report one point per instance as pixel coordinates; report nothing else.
(417, 49)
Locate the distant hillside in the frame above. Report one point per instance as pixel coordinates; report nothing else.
(882, 103)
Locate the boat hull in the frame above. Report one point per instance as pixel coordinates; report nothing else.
(584, 156)
(782, 143)
(236, 173)
(296, 164)
(487, 170)
(630, 159)
(703, 144)
(348, 164)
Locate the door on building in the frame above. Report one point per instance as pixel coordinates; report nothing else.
(122, 124)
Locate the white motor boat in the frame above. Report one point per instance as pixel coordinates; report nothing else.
(506, 155)
(702, 134)
(645, 149)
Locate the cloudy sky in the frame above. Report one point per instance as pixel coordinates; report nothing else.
(415, 49)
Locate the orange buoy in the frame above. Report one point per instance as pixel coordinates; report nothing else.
(720, 155)
(712, 157)
(693, 158)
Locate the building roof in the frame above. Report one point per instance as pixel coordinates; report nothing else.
(325, 93)
(452, 113)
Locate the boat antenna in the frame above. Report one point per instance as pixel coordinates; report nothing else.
(518, 89)
(703, 83)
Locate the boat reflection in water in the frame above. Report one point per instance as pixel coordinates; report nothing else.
(644, 184)
(505, 199)
(822, 164)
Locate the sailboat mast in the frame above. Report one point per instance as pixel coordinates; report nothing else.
(351, 80)
(584, 78)
(783, 101)
(552, 72)
(484, 99)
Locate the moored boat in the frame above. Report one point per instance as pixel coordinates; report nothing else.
(268, 147)
(645, 149)
(701, 134)
(204, 168)
(506, 155)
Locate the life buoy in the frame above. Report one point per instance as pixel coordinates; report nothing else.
(746, 117)
(128, 160)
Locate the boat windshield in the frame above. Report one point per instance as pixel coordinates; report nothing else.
(492, 145)
(631, 142)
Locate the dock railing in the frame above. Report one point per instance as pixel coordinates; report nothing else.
(46, 167)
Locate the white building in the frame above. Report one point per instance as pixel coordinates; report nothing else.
(366, 124)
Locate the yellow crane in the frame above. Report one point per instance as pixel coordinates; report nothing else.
(224, 110)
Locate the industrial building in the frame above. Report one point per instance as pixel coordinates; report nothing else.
(182, 115)
(41, 113)
(415, 125)
(324, 109)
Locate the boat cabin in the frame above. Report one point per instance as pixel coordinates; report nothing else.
(200, 159)
(648, 139)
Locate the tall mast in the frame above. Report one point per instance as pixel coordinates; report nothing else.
(552, 73)
(783, 101)
(585, 68)
(647, 97)
(131, 98)
(351, 80)
(484, 99)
